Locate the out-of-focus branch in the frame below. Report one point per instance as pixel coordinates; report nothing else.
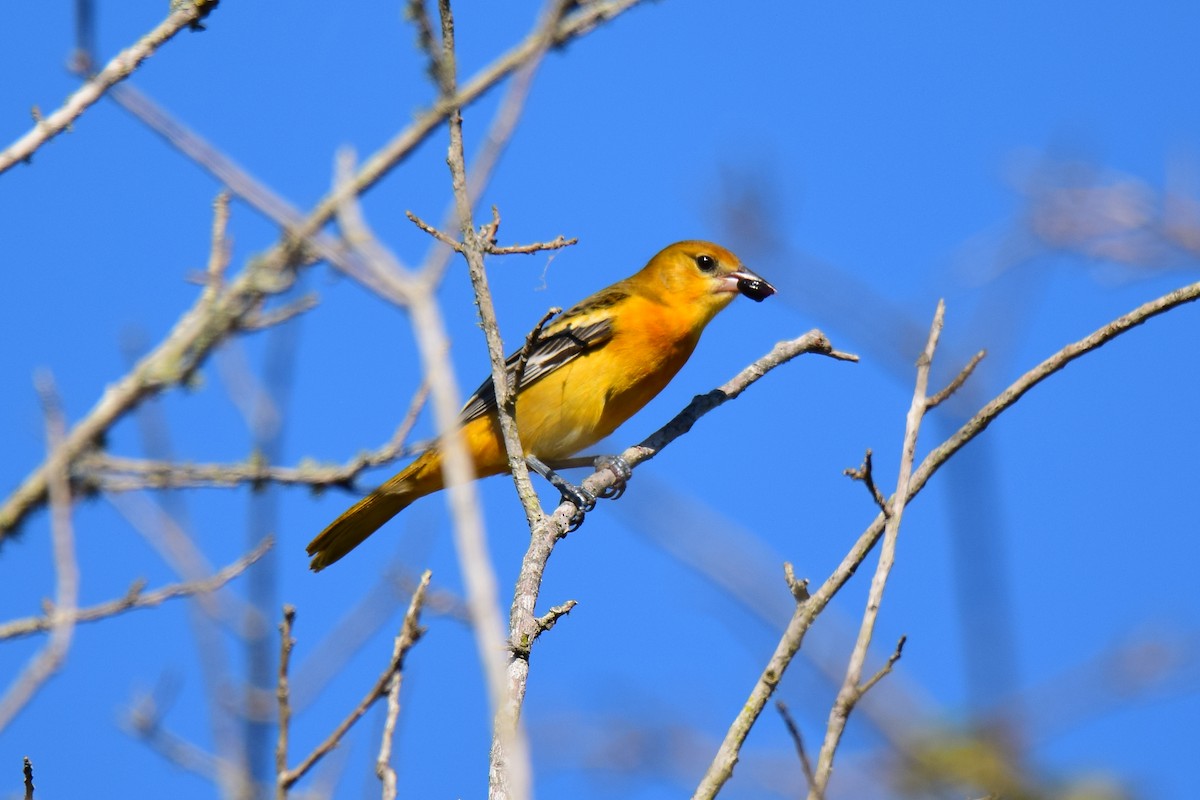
(173, 362)
(121, 67)
(66, 571)
(410, 632)
(103, 472)
(798, 741)
(137, 597)
(721, 768)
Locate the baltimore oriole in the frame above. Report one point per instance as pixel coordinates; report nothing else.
(590, 370)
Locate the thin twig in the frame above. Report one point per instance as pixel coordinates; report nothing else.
(885, 670)
(103, 472)
(410, 632)
(283, 697)
(28, 778)
(959, 379)
(551, 617)
(557, 243)
(136, 598)
(121, 67)
(487, 245)
(444, 238)
(383, 763)
(865, 473)
(797, 740)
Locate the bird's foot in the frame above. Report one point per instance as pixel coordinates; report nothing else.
(583, 500)
(620, 470)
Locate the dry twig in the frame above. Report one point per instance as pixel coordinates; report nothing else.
(410, 632)
(137, 597)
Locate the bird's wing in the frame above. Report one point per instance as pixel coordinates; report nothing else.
(585, 327)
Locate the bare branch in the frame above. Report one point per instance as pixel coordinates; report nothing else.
(865, 473)
(383, 763)
(558, 243)
(28, 778)
(444, 238)
(959, 379)
(136, 598)
(283, 697)
(121, 67)
(885, 670)
(486, 242)
(551, 618)
(410, 632)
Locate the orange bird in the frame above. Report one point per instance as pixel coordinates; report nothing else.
(591, 369)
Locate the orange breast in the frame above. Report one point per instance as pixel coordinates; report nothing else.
(588, 398)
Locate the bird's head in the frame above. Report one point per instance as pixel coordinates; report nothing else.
(704, 276)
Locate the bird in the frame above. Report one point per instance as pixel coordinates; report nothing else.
(587, 372)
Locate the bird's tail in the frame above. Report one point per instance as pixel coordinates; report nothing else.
(356, 523)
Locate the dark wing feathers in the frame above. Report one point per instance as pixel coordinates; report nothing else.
(566, 341)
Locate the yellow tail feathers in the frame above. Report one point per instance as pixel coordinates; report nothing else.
(366, 516)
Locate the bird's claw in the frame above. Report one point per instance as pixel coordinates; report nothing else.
(620, 470)
(583, 499)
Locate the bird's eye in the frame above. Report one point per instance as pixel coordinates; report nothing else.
(706, 263)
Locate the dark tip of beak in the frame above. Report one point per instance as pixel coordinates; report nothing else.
(755, 288)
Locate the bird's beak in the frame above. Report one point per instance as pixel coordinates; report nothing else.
(749, 284)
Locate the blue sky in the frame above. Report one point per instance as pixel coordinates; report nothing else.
(887, 151)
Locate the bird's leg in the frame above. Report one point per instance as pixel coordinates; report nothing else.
(620, 470)
(582, 498)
